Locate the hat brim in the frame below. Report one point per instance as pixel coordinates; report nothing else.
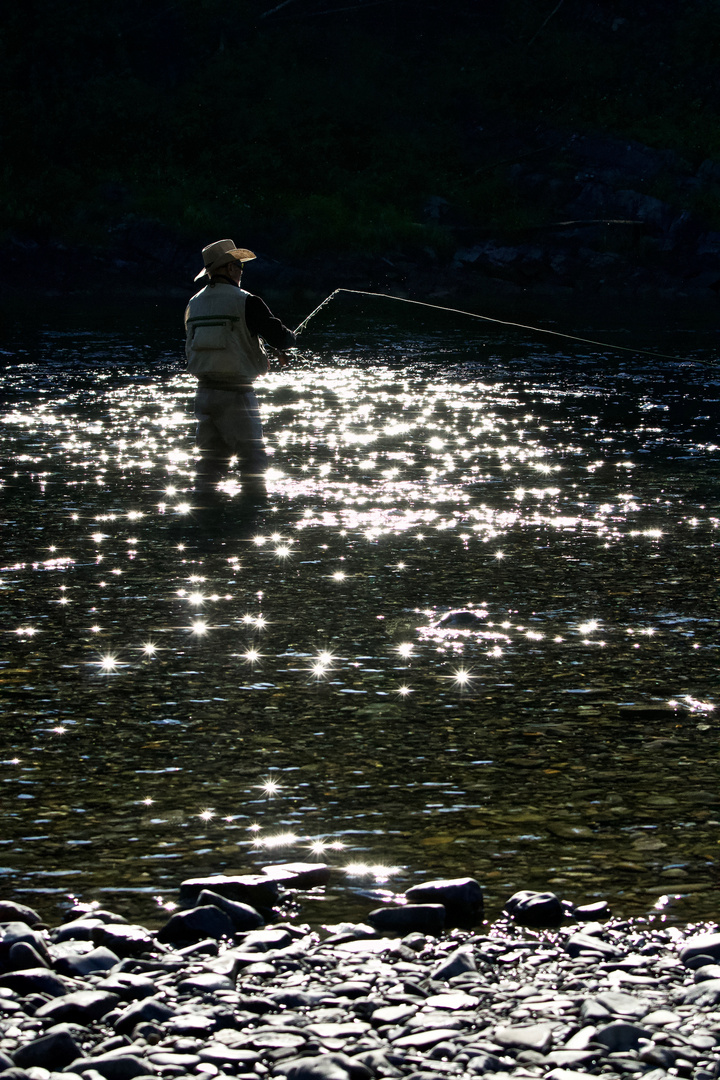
(234, 255)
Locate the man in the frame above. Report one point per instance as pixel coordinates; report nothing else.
(224, 326)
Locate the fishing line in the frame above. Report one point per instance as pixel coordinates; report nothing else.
(499, 322)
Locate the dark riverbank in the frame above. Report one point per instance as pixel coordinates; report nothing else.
(215, 994)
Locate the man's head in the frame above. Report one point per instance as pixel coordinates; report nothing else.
(223, 257)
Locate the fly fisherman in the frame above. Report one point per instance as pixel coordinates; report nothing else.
(224, 326)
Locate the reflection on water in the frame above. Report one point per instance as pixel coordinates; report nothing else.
(478, 632)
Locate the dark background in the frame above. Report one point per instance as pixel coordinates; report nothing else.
(436, 147)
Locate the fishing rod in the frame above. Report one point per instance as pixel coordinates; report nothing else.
(487, 318)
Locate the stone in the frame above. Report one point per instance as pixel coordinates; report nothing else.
(578, 944)
(242, 916)
(327, 1067)
(258, 890)
(536, 1037)
(127, 986)
(218, 1054)
(81, 1007)
(703, 944)
(5, 1062)
(92, 911)
(22, 955)
(620, 1036)
(299, 875)
(186, 927)
(706, 993)
(462, 898)
(205, 983)
(483, 1062)
(78, 964)
(530, 908)
(457, 963)
(426, 918)
(14, 932)
(124, 940)
(114, 1066)
(10, 911)
(422, 1040)
(623, 1004)
(588, 912)
(34, 981)
(52, 1051)
(376, 1061)
(141, 1011)
(77, 930)
(706, 972)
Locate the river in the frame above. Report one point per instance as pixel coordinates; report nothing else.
(182, 698)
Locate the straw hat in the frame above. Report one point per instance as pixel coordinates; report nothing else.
(219, 254)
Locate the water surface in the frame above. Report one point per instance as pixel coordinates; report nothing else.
(183, 697)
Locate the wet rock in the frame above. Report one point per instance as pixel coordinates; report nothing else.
(620, 1036)
(5, 1062)
(10, 911)
(254, 889)
(52, 1051)
(425, 918)
(588, 912)
(462, 898)
(462, 618)
(78, 964)
(706, 972)
(620, 1004)
(81, 1007)
(299, 875)
(190, 926)
(327, 1067)
(242, 916)
(93, 912)
(141, 1012)
(535, 908)
(124, 940)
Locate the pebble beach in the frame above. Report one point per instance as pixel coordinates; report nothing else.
(425, 988)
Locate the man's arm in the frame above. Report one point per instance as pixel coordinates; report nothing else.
(261, 321)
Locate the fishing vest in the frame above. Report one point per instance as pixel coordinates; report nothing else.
(218, 343)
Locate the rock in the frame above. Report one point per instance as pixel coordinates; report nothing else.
(34, 981)
(703, 944)
(81, 1007)
(127, 986)
(77, 930)
(705, 993)
(255, 889)
(78, 964)
(52, 1051)
(376, 1061)
(15, 932)
(621, 1036)
(140, 1012)
(588, 912)
(422, 1040)
(22, 956)
(205, 983)
(10, 911)
(484, 1062)
(115, 1066)
(535, 908)
(620, 1004)
(299, 875)
(124, 940)
(189, 926)
(706, 972)
(536, 1037)
(426, 918)
(458, 962)
(242, 916)
(462, 898)
(586, 943)
(5, 1062)
(94, 913)
(326, 1067)
(463, 618)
